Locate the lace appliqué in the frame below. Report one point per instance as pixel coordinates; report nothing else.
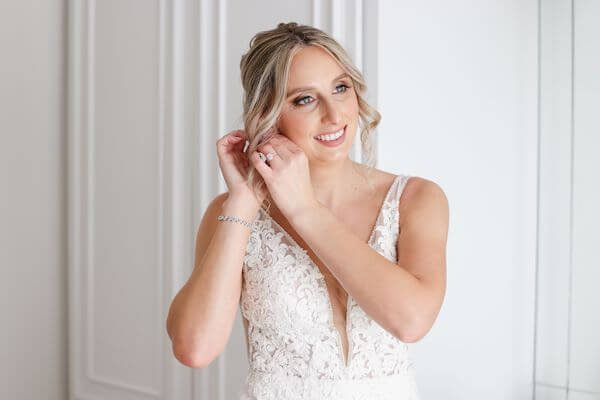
(260, 386)
(293, 345)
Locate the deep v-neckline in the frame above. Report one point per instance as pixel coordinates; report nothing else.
(345, 363)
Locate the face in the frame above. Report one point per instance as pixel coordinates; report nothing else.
(320, 100)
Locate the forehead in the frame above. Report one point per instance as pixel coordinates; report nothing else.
(311, 65)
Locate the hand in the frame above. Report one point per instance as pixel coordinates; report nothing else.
(287, 175)
(234, 162)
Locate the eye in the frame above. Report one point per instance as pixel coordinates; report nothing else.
(346, 87)
(299, 102)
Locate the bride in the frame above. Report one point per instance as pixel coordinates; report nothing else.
(335, 265)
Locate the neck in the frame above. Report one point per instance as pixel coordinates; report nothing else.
(335, 183)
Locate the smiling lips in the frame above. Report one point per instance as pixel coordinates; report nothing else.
(332, 139)
(331, 135)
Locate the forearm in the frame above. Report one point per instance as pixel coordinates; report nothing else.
(385, 291)
(202, 314)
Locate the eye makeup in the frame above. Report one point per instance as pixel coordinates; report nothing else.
(298, 102)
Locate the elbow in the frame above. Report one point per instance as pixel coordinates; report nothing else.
(187, 351)
(410, 333)
(191, 357)
(409, 337)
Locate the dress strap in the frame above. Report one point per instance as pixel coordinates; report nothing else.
(401, 181)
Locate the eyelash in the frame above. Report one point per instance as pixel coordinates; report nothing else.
(297, 101)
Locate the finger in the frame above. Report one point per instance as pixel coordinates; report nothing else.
(233, 137)
(236, 143)
(229, 140)
(263, 169)
(289, 144)
(264, 139)
(232, 144)
(238, 133)
(237, 136)
(276, 161)
(282, 150)
(240, 145)
(230, 135)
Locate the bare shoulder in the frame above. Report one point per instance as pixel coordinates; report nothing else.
(421, 195)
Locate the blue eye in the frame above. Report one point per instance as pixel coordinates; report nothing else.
(346, 87)
(299, 101)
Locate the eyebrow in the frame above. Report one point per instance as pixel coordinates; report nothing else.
(302, 89)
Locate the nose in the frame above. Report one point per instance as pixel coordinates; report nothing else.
(331, 112)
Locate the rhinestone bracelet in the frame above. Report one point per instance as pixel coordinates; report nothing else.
(233, 219)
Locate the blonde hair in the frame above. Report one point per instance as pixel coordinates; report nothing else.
(264, 72)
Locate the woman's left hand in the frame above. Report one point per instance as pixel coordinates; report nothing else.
(287, 175)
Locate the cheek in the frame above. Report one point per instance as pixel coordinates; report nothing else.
(353, 104)
(298, 125)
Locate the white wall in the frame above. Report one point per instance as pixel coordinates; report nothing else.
(458, 94)
(33, 270)
(505, 118)
(568, 321)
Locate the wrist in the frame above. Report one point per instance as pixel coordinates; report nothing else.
(241, 206)
(242, 193)
(306, 212)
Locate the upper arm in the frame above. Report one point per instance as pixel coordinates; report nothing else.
(204, 235)
(208, 226)
(422, 241)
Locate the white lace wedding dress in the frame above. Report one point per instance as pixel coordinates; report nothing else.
(294, 348)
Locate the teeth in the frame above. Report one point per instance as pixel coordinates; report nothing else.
(331, 136)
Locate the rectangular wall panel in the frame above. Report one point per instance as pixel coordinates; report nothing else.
(555, 194)
(121, 189)
(584, 367)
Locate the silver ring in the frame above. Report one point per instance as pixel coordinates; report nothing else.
(270, 156)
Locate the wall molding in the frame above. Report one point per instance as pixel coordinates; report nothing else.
(85, 382)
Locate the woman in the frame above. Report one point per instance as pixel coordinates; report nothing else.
(344, 267)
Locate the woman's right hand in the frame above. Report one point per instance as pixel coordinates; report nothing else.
(234, 163)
